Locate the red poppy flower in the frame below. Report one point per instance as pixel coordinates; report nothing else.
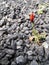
(31, 16)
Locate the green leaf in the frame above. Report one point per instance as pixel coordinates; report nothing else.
(35, 32)
(38, 36)
(41, 6)
(43, 35)
(40, 11)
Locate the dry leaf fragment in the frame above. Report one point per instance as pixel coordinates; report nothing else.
(31, 38)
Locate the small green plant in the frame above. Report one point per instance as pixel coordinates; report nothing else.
(38, 36)
(41, 7)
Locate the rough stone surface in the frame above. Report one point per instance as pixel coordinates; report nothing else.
(15, 30)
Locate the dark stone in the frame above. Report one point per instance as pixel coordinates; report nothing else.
(4, 61)
(0, 16)
(14, 16)
(2, 54)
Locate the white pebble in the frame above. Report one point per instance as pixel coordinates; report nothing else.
(6, 5)
(18, 47)
(45, 45)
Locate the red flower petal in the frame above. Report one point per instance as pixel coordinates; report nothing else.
(32, 16)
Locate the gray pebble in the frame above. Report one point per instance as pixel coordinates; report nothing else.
(20, 59)
(40, 51)
(1, 22)
(30, 58)
(26, 32)
(34, 63)
(9, 51)
(29, 52)
(20, 42)
(47, 53)
(13, 63)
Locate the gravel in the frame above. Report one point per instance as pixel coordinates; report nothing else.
(15, 29)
